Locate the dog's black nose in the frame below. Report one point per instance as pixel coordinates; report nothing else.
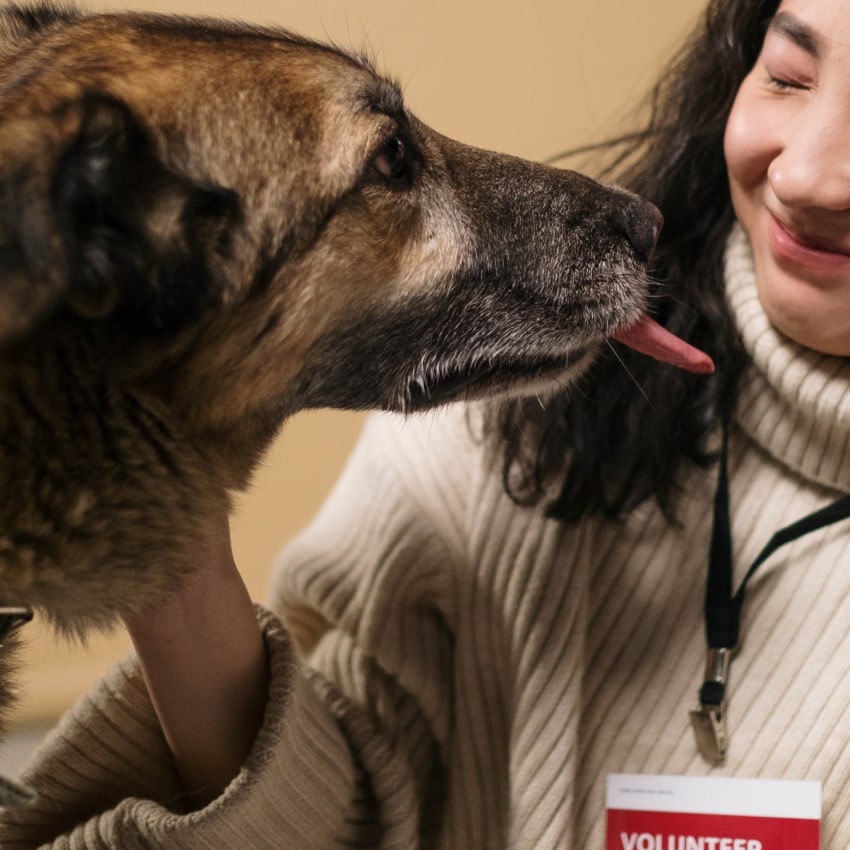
(640, 222)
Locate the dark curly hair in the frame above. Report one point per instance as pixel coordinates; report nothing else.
(624, 433)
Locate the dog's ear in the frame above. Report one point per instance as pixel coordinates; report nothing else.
(92, 222)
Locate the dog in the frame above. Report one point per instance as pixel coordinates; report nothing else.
(206, 227)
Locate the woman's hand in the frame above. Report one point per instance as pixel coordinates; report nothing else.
(204, 661)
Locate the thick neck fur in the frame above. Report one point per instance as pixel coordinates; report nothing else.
(95, 479)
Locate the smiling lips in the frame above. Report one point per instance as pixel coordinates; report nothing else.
(805, 250)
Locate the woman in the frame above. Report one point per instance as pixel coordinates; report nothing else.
(470, 668)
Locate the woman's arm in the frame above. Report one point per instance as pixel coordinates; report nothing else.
(204, 662)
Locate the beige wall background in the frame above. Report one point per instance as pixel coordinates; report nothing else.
(530, 79)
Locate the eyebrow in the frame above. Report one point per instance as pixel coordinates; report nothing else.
(786, 25)
(385, 97)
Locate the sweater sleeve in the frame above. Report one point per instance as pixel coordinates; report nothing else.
(105, 779)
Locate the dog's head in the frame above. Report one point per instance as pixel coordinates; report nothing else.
(205, 227)
(251, 223)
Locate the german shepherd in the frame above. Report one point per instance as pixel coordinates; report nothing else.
(206, 227)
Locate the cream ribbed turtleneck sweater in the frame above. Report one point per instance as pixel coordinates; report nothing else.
(470, 672)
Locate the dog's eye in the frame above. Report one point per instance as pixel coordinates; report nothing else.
(391, 161)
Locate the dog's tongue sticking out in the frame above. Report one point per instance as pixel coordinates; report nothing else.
(648, 337)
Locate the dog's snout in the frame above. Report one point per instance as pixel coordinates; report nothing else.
(640, 222)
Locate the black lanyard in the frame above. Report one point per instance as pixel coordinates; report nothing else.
(723, 605)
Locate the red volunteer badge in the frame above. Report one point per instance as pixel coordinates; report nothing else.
(701, 813)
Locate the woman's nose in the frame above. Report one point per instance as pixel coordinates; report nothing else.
(813, 167)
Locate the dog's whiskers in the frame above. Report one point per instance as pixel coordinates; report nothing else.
(628, 372)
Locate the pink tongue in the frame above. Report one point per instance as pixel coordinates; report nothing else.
(648, 337)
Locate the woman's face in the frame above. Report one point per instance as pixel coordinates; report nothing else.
(788, 155)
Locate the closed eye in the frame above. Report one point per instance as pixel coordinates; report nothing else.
(779, 84)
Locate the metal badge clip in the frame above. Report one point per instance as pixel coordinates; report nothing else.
(709, 720)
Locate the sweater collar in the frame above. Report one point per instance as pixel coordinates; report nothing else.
(794, 402)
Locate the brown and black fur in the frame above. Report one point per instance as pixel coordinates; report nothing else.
(205, 227)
